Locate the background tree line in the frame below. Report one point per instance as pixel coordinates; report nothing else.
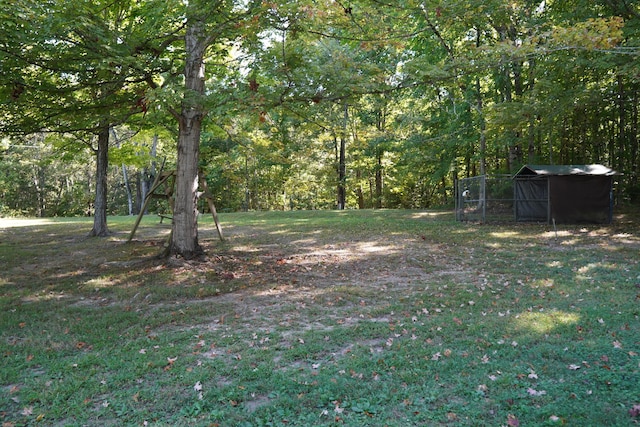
(310, 105)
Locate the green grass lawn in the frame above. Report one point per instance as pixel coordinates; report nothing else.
(323, 318)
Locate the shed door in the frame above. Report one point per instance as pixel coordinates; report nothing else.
(531, 199)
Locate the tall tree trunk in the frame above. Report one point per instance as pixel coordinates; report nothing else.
(37, 185)
(379, 154)
(359, 192)
(342, 165)
(102, 166)
(127, 186)
(619, 159)
(146, 177)
(184, 236)
(125, 174)
(480, 108)
(634, 161)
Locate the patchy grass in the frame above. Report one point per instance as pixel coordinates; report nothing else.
(349, 318)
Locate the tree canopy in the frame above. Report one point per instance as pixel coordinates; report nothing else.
(313, 104)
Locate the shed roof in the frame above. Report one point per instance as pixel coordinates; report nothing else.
(549, 170)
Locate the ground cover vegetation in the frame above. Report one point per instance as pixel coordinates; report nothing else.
(305, 104)
(355, 318)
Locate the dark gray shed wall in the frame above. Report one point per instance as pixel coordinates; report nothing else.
(564, 194)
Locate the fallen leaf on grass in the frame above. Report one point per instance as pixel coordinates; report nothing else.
(574, 367)
(533, 392)
(170, 362)
(512, 421)
(635, 411)
(617, 344)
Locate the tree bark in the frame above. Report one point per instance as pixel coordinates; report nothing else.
(146, 178)
(379, 154)
(359, 192)
(100, 228)
(125, 174)
(184, 236)
(342, 162)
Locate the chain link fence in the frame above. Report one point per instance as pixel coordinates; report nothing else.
(485, 198)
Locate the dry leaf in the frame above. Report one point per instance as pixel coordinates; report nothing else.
(533, 392)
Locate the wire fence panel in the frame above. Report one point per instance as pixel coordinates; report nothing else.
(485, 198)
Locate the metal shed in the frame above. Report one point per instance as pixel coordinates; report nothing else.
(564, 193)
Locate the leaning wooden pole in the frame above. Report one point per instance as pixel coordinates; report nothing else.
(147, 199)
(212, 207)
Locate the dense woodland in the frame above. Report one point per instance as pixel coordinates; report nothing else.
(307, 104)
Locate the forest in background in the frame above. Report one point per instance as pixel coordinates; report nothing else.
(314, 104)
